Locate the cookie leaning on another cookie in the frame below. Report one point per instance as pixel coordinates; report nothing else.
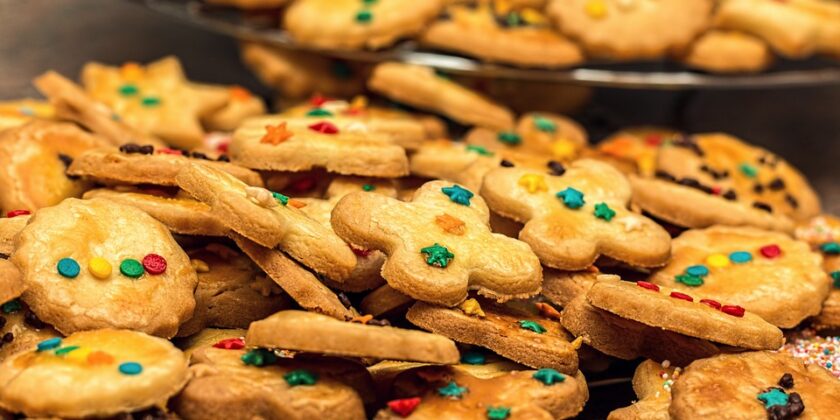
(439, 245)
(652, 384)
(21, 329)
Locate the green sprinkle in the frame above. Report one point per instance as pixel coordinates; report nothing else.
(603, 211)
(452, 390)
(259, 357)
(478, 149)
(689, 280)
(364, 16)
(544, 124)
(128, 89)
(531, 325)
(64, 350)
(300, 377)
(150, 101)
(437, 255)
(319, 112)
(549, 376)
(473, 358)
(830, 248)
(498, 413)
(748, 170)
(368, 187)
(11, 306)
(513, 19)
(835, 275)
(572, 198)
(773, 397)
(131, 268)
(282, 199)
(509, 137)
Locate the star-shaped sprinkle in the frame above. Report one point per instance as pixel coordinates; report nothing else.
(259, 357)
(630, 223)
(300, 377)
(531, 325)
(458, 194)
(478, 149)
(452, 390)
(603, 211)
(773, 397)
(533, 183)
(544, 124)
(549, 376)
(450, 224)
(471, 307)
(276, 134)
(498, 413)
(563, 149)
(437, 255)
(571, 197)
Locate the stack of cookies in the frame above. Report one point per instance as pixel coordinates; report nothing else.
(169, 250)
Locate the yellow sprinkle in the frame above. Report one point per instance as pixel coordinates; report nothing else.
(199, 266)
(577, 342)
(596, 9)
(471, 307)
(502, 7)
(358, 103)
(532, 16)
(79, 355)
(563, 149)
(647, 164)
(99, 267)
(533, 183)
(717, 260)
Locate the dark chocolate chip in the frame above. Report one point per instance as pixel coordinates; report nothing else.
(688, 143)
(556, 168)
(223, 158)
(8, 337)
(763, 206)
(693, 183)
(130, 148)
(730, 195)
(797, 406)
(32, 320)
(345, 300)
(199, 155)
(776, 184)
(379, 322)
(758, 188)
(506, 163)
(786, 381)
(146, 150)
(792, 201)
(665, 175)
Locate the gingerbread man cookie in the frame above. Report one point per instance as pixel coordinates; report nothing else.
(155, 99)
(652, 384)
(525, 332)
(299, 331)
(270, 219)
(343, 146)
(439, 245)
(573, 218)
(768, 273)
(494, 31)
(95, 263)
(97, 373)
(561, 287)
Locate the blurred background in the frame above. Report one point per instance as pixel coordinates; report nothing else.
(801, 124)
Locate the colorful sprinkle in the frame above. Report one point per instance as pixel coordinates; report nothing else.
(773, 397)
(324, 127)
(549, 376)
(259, 357)
(230, 344)
(131, 368)
(458, 194)
(68, 268)
(364, 16)
(99, 358)
(717, 260)
(509, 137)
(437, 255)
(452, 390)
(451, 224)
(533, 183)
(831, 248)
(16, 213)
(689, 280)
(319, 112)
(697, 270)
(276, 134)
(368, 187)
(473, 358)
(99, 267)
(150, 101)
(563, 149)
(154, 264)
(300, 377)
(572, 198)
(733, 310)
(49, 344)
(647, 285)
(596, 9)
(471, 307)
(813, 349)
(547, 311)
(681, 296)
(404, 407)
(128, 89)
(748, 170)
(131, 268)
(835, 275)
(498, 413)
(11, 306)
(282, 199)
(478, 149)
(740, 257)
(711, 303)
(66, 350)
(770, 251)
(544, 124)
(531, 325)
(603, 211)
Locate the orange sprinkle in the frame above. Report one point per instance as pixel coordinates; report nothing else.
(100, 358)
(131, 71)
(619, 147)
(239, 93)
(593, 269)
(451, 224)
(364, 319)
(276, 134)
(547, 311)
(296, 203)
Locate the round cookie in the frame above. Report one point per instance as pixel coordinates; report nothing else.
(95, 263)
(631, 29)
(728, 52)
(93, 373)
(753, 385)
(768, 273)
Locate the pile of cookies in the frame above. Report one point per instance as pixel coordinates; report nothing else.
(169, 250)
(721, 36)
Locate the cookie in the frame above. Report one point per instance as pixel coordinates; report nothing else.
(94, 264)
(520, 331)
(439, 244)
(20, 329)
(421, 87)
(231, 292)
(626, 30)
(822, 233)
(541, 134)
(73, 104)
(208, 337)
(494, 391)
(384, 300)
(33, 163)
(17, 112)
(182, 215)
(561, 287)
(145, 164)
(652, 384)
(626, 339)
(827, 14)
(11, 281)
(300, 284)
(298, 74)
(230, 382)
(342, 146)
(356, 25)
(92, 373)
(728, 52)
(495, 33)
(658, 307)
(768, 273)
(790, 31)
(10, 226)
(156, 99)
(812, 349)
(712, 179)
(241, 104)
(756, 385)
(249, 4)
(573, 218)
(294, 330)
(270, 219)
(634, 150)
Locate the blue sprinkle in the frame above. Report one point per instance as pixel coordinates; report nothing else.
(49, 344)
(697, 270)
(131, 368)
(68, 267)
(740, 257)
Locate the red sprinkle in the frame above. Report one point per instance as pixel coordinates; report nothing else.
(319, 100)
(230, 344)
(360, 252)
(222, 147)
(653, 139)
(324, 127)
(733, 310)
(168, 151)
(646, 285)
(716, 190)
(683, 296)
(154, 264)
(16, 213)
(770, 251)
(405, 406)
(713, 303)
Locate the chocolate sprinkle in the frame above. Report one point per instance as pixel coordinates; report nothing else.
(556, 168)
(198, 155)
(506, 163)
(763, 206)
(8, 337)
(693, 183)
